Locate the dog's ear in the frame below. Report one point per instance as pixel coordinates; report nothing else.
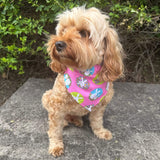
(57, 67)
(54, 65)
(112, 67)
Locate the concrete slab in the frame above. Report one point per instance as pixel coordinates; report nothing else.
(133, 116)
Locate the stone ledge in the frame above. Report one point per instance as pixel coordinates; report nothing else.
(133, 116)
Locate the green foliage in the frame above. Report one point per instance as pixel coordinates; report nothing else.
(135, 17)
(24, 23)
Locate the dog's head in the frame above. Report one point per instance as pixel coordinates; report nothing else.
(83, 39)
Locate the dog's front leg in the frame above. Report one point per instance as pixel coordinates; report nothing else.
(56, 123)
(96, 123)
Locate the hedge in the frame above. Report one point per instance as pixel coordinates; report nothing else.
(23, 25)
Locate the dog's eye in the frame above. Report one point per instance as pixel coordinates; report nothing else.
(83, 33)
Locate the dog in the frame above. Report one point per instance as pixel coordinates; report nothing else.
(86, 52)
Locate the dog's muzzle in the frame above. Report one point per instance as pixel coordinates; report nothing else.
(60, 45)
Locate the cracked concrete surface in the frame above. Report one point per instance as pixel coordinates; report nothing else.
(133, 116)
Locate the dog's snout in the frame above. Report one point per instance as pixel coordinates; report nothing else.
(60, 45)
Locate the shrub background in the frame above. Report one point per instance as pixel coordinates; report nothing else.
(24, 23)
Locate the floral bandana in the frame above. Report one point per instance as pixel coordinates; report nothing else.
(85, 87)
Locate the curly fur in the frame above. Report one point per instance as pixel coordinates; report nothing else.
(90, 40)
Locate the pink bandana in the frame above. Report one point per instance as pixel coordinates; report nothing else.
(85, 87)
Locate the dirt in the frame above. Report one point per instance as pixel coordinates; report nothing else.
(8, 85)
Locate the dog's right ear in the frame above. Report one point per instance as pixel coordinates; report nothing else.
(54, 65)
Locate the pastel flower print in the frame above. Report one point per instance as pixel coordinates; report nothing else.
(71, 69)
(89, 72)
(95, 94)
(82, 82)
(101, 99)
(85, 87)
(107, 86)
(89, 107)
(97, 81)
(67, 80)
(78, 97)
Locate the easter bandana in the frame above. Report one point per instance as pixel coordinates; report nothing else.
(85, 87)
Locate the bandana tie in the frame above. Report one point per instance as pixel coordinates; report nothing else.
(85, 87)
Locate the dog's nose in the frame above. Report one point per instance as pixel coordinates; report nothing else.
(60, 45)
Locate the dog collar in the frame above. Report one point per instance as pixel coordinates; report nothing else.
(85, 86)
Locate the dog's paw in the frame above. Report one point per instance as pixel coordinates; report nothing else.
(56, 151)
(103, 134)
(108, 135)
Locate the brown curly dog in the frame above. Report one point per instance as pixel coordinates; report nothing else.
(83, 39)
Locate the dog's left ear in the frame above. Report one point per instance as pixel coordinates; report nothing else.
(112, 66)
